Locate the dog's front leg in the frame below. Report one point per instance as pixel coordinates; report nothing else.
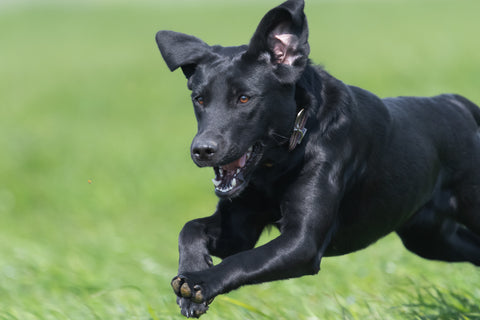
(307, 225)
(194, 256)
(234, 227)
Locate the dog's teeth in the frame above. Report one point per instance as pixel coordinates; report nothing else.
(238, 171)
(225, 189)
(216, 182)
(249, 152)
(221, 172)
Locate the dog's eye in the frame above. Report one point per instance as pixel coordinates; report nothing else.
(200, 100)
(243, 99)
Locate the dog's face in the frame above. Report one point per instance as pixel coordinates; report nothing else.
(244, 97)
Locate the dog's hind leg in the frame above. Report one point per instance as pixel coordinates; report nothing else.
(468, 198)
(448, 227)
(434, 235)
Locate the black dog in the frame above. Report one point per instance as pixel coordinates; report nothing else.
(333, 166)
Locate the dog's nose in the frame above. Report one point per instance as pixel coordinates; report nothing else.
(204, 150)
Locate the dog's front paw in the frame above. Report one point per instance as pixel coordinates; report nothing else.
(192, 298)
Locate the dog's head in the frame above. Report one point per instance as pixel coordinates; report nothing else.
(244, 97)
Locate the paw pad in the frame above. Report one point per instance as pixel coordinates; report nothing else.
(197, 296)
(185, 290)
(176, 284)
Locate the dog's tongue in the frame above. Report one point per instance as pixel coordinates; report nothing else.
(239, 163)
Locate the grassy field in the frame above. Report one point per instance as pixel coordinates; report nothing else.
(96, 179)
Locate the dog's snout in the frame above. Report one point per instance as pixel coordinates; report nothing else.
(204, 150)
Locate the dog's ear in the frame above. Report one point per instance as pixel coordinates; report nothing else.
(181, 50)
(283, 35)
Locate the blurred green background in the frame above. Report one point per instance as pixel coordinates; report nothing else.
(96, 179)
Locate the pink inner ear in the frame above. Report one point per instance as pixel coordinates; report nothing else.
(284, 48)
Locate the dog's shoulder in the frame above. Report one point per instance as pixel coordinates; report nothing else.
(342, 108)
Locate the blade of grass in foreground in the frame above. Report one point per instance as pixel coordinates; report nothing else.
(439, 303)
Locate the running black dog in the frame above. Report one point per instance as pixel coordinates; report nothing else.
(333, 166)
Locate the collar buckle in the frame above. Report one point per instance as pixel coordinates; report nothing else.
(299, 130)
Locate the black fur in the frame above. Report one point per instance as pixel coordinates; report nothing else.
(366, 167)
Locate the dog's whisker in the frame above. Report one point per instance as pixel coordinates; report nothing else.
(280, 139)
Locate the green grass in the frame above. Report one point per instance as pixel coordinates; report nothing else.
(85, 95)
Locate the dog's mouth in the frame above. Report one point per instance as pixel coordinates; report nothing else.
(232, 178)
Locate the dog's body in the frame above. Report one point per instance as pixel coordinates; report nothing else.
(366, 166)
